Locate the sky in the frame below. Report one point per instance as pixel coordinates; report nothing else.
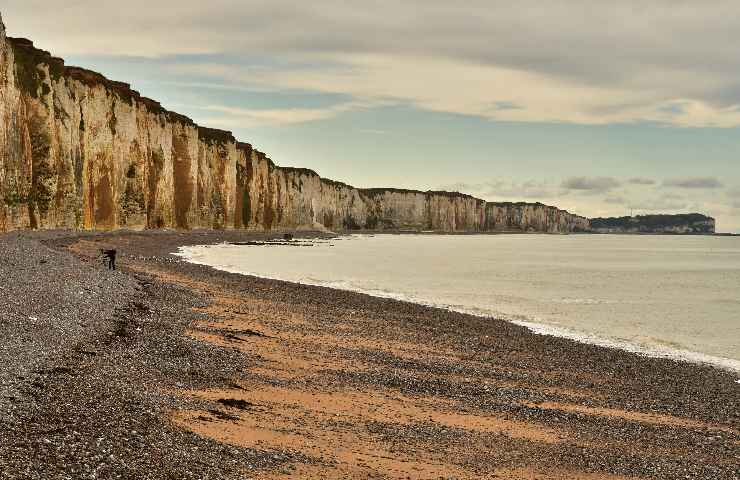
(599, 107)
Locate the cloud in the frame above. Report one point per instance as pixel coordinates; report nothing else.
(505, 105)
(234, 117)
(672, 196)
(510, 61)
(734, 197)
(489, 91)
(615, 200)
(641, 181)
(505, 189)
(590, 183)
(694, 182)
(673, 108)
(658, 205)
(376, 131)
(666, 202)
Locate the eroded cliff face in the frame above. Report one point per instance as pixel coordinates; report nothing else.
(80, 151)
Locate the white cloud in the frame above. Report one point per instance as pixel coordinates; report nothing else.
(507, 189)
(583, 62)
(658, 204)
(734, 196)
(489, 91)
(234, 117)
(600, 184)
(641, 181)
(693, 182)
(616, 200)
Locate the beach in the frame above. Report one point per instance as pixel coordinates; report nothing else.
(167, 369)
(673, 296)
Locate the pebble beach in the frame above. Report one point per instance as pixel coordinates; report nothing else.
(168, 370)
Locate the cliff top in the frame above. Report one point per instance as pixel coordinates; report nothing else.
(652, 221)
(28, 57)
(381, 191)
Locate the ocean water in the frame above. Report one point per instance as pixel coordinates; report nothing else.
(676, 296)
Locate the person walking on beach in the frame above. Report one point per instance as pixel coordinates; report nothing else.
(110, 257)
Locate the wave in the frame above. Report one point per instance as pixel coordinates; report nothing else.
(653, 350)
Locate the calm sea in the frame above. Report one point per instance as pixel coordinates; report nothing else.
(673, 296)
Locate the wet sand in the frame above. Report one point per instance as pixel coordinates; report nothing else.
(342, 385)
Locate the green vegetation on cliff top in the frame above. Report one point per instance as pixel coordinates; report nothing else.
(698, 222)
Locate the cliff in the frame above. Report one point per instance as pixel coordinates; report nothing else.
(78, 150)
(691, 223)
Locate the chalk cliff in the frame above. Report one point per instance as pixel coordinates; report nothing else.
(78, 150)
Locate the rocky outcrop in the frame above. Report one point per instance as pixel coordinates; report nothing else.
(690, 223)
(78, 150)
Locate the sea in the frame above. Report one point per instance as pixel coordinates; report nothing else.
(658, 295)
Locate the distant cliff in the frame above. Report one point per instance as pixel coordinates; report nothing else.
(681, 224)
(80, 151)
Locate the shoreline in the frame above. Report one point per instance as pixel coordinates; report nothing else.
(655, 350)
(227, 376)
